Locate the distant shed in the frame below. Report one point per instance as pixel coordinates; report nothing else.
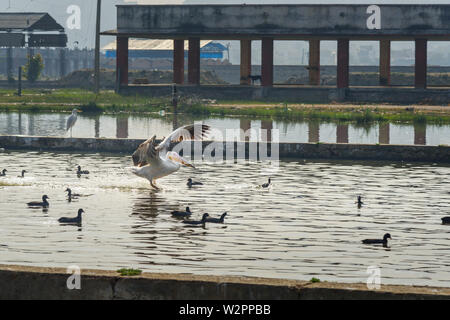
(32, 30)
(41, 28)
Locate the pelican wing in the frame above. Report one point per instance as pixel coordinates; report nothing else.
(189, 132)
(147, 153)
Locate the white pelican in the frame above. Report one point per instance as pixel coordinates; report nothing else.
(72, 120)
(156, 161)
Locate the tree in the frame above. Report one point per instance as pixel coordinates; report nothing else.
(32, 70)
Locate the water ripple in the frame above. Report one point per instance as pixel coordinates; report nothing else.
(306, 225)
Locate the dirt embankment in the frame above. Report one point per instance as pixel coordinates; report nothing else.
(85, 78)
(372, 79)
(342, 107)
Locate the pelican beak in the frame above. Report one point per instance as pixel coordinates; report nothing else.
(173, 156)
(187, 164)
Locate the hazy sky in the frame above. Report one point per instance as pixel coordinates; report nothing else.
(85, 35)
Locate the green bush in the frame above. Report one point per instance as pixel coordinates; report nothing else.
(32, 70)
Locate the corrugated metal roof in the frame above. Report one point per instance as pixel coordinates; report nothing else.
(28, 21)
(150, 44)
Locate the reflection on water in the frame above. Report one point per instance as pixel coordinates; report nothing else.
(145, 126)
(342, 133)
(384, 133)
(307, 225)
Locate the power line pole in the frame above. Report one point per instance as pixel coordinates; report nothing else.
(97, 48)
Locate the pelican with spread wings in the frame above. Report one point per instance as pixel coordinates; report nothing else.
(155, 161)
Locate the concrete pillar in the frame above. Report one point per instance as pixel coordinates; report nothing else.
(421, 64)
(343, 60)
(9, 123)
(314, 62)
(85, 58)
(31, 126)
(54, 67)
(9, 63)
(97, 126)
(420, 134)
(45, 61)
(175, 125)
(20, 123)
(246, 61)
(384, 133)
(194, 61)
(76, 59)
(385, 63)
(313, 132)
(178, 61)
(71, 64)
(62, 62)
(122, 61)
(342, 133)
(267, 62)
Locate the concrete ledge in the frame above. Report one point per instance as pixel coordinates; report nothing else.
(21, 282)
(410, 153)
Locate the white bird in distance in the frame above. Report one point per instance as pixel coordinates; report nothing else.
(71, 121)
(155, 161)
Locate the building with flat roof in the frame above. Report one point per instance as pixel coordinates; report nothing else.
(267, 23)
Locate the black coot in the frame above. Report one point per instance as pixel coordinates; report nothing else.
(196, 223)
(76, 219)
(191, 183)
(217, 220)
(383, 241)
(43, 204)
(186, 213)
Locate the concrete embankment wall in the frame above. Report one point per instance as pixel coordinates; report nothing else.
(21, 282)
(410, 153)
(296, 94)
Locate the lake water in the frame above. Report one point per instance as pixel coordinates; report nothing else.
(143, 127)
(307, 225)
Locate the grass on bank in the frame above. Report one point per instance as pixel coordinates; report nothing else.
(358, 115)
(64, 100)
(71, 96)
(124, 272)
